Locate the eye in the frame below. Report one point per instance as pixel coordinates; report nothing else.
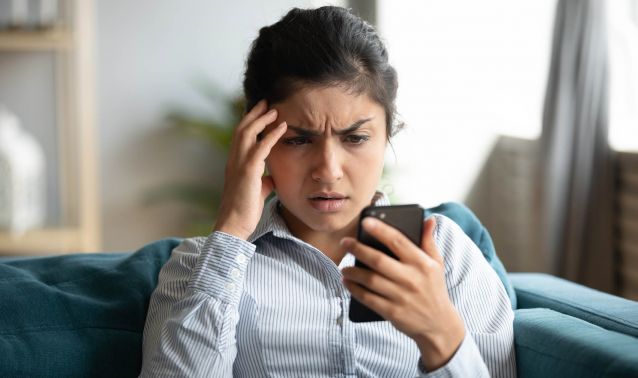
(297, 141)
(357, 139)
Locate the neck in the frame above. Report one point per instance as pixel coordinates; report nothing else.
(325, 241)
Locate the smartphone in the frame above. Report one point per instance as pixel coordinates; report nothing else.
(406, 218)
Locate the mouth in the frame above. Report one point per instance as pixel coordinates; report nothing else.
(327, 202)
(323, 196)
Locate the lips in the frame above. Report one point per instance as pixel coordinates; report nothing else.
(327, 201)
(327, 196)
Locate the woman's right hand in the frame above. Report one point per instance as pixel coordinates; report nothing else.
(245, 187)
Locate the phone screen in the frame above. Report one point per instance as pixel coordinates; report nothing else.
(406, 218)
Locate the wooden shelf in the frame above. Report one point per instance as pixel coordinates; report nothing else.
(71, 45)
(30, 40)
(43, 242)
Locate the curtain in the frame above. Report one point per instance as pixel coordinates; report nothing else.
(576, 174)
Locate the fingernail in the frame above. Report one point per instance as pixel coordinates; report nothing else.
(345, 242)
(370, 222)
(281, 125)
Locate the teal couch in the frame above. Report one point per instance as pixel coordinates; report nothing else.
(82, 315)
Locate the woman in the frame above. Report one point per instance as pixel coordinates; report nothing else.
(267, 292)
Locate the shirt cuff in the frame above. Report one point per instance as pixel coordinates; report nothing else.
(466, 362)
(221, 267)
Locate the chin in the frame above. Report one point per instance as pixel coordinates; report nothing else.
(325, 224)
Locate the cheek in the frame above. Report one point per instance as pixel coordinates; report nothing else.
(279, 165)
(369, 164)
(372, 156)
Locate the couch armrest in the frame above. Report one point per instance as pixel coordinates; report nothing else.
(604, 310)
(551, 344)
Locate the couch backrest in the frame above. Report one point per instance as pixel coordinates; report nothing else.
(77, 315)
(473, 228)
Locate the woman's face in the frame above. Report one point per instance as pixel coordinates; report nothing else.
(327, 165)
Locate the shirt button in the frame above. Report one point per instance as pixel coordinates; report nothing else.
(240, 258)
(340, 320)
(235, 273)
(230, 286)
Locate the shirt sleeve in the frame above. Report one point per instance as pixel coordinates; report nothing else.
(193, 311)
(480, 298)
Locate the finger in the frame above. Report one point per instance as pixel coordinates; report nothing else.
(373, 281)
(260, 123)
(376, 260)
(375, 302)
(248, 135)
(269, 141)
(428, 244)
(253, 114)
(392, 238)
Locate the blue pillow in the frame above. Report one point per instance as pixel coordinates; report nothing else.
(473, 228)
(77, 315)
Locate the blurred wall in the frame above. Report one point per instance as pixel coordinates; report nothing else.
(150, 57)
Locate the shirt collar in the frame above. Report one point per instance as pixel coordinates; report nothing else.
(271, 220)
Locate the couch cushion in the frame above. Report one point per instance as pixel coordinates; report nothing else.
(551, 344)
(605, 310)
(77, 315)
(473, 228)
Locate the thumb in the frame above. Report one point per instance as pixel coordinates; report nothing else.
(267, 186)
(427, 240)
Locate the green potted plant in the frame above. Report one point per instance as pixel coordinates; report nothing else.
(203, 196)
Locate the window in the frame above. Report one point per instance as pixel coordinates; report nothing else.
(468, 72)
(623, 74)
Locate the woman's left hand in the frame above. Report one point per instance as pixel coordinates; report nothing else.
(409, 291)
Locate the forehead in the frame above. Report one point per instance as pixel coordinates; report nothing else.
(316, 107)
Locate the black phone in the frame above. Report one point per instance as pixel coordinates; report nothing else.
(406, 218)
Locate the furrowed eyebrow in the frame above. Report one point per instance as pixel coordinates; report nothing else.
(309, 133)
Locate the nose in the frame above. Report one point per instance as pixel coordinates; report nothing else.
(327, 167)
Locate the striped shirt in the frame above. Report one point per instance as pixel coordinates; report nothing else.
(275, 306)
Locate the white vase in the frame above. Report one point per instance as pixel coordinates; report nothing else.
(22, 177)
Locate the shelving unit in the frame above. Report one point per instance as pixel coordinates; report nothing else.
(78, 230)
(20, 40)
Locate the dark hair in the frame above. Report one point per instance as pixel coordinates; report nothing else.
(327, 46)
